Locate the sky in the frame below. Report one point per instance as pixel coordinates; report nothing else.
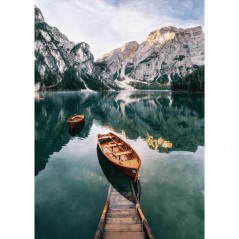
(109, 24)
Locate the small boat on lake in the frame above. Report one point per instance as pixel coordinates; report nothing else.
(75, 120)
(120, 154)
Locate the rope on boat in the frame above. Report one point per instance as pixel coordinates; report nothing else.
(138, 190)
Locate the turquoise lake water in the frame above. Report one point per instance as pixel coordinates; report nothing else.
(71, 184)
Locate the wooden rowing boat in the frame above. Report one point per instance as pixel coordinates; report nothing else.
(120, 154)
(75, 120)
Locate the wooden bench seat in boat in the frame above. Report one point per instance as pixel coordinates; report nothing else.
(113, 145)
(105, 137)
(123, 153)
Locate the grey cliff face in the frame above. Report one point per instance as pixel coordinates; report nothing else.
(55, 55)
(164, 53)
(38, 15)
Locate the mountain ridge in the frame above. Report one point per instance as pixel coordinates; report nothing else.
(165, 54)
(167, 51)
(61, 64)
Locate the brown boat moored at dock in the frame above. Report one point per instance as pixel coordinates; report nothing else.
(120, 154)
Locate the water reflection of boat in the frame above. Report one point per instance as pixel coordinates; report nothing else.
(123, 133)
(167, 144)
(156, 143)
(120, 154)
(75, 120)
(109, 127)
(75, 130)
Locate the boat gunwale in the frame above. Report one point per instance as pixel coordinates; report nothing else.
(72, 120)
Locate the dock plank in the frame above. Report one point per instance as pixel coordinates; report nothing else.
(117, 206)
(118, 199)
(122, 202)
(127, 220)
(124, 235)
(125, 215)
(120, 211)
(123, 227)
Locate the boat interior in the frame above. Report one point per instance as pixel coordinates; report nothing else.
(118, 151)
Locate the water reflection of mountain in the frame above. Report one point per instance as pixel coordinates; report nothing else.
(51, 129)
(176, 117)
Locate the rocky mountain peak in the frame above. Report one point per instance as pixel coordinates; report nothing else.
(38, 15)
(161, 35)
(129, 48)
(60, 63)
(165, 34)
(82, 51)
(194, 30)
(125, 51)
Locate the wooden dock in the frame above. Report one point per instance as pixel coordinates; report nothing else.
(122, 217)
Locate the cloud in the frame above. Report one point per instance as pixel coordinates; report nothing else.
(108, 24)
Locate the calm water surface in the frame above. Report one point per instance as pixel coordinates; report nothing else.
(71, 182)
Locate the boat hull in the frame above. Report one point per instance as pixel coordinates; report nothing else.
(132, 173)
